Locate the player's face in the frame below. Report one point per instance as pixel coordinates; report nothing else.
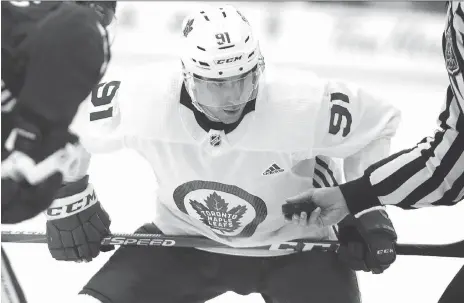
(226, 98)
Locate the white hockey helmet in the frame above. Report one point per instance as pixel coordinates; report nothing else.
(221, 58)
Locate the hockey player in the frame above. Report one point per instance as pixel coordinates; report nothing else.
(53, 54)
(228, 140)
(429, 174)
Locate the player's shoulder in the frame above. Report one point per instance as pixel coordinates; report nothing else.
(291, 94)
(157, 105)
(135, 98)
(287, 106)
(151, 89)
(63, 29)
(72, 12)
(20, 20)
(291, 84)
(299, 107)
(158, 80)
(71, 21)
(27, 11)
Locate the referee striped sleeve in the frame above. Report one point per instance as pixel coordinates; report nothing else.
(429, 174)
(432, 172)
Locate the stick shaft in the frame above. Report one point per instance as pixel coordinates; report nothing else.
(175, 241)
(455, 249)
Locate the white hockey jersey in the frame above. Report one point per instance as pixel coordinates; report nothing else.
(231, 188)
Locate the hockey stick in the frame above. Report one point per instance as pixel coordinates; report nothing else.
(455, 249)
(175, 241)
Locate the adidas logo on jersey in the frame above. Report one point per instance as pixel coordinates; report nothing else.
(274, 169)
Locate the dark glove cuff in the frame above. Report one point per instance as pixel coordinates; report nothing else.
(73, 188)
(359, 195)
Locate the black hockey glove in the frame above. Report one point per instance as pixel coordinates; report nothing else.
(367, 243)
(34, 159)
(77, 223)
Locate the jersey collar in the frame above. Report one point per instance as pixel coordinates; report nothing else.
(206, 123)
(204, 130)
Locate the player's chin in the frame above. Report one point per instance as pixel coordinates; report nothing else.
(231, 115)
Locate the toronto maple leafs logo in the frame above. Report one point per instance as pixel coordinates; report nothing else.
(188, 27)
(452, 64)
(228, 210)
(216, 213)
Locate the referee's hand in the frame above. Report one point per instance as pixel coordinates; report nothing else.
(331, 202)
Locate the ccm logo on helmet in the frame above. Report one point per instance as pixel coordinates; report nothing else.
(228, 60)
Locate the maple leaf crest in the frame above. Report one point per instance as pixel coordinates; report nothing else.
(188, 27)
(215, 213)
